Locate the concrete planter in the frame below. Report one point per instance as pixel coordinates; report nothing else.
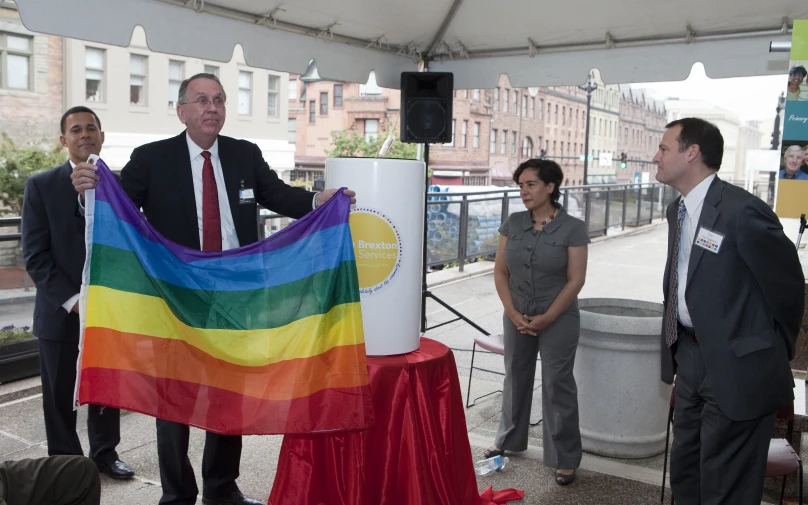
(622, 401)
(19, 360)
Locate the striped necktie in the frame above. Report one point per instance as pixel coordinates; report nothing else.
(672, 312)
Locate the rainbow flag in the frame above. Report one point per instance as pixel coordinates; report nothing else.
(264, 339)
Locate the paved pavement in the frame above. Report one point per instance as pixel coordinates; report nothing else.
(628, 267)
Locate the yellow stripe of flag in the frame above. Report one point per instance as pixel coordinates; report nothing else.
(123, 311)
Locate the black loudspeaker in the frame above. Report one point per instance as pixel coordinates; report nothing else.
(426, 107)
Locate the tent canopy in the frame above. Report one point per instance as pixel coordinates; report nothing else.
(536, 43)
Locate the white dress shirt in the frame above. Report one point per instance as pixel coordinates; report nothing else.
(694, 201)
(68, 305)
(229, 236)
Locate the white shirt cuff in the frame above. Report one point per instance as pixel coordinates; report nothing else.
(314, 201)
(81, 206)
(68, 305)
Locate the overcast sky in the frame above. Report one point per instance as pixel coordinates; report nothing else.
(751, 98)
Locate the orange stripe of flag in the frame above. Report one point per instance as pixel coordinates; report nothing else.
(339, 367)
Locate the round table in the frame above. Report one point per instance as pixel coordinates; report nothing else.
(416, 453)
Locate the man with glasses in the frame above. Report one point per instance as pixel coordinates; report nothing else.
(200, 189)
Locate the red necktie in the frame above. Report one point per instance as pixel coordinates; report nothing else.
(211, 218)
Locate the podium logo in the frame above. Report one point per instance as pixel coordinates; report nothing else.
(377, 247)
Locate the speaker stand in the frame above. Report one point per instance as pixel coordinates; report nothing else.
(425, 293)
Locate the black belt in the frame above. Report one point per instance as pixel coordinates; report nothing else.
(690, 332)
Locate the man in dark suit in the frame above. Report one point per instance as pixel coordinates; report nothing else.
(200, 189)
(733, 307)
(53, 247)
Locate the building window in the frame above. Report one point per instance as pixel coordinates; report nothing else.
(524, 106)
(463, 134)
(324, 103)
(176, 73)
(94, 74)
(313, 111)
(137, 79)
(371, 88)
(549, 111)
(291, 130)
(212, 69)
(476, 141)
(476, 95)
(475, 180)
(292, 89)
(513, 143)
(245, 93)
(15, 61)
(505, 101)
(465, 93)
(515, 97)
(337, 96)
(492, 148)
(503, 142)
(532, 107)
(541, 110)
(556, 115)
(527, 147)
(451, 140)
(273, 87)
(496, 99)
(371, 129)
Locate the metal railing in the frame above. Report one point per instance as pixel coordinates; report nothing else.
(464, 226)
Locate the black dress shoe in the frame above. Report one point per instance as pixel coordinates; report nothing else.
(234, 499)
(116, 470)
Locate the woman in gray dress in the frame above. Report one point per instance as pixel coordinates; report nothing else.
(539, 271)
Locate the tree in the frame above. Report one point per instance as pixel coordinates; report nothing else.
(349, 143)
(19, 163)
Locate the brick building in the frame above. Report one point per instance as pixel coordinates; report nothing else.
(319, 108)
(642, 124)
(31, 75)
(465, 159)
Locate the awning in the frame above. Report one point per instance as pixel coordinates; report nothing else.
(537, 43)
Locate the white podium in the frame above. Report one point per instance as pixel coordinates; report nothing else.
(387, 227)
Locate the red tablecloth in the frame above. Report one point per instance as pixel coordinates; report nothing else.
(417, 453)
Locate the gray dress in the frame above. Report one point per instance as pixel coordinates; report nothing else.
(537, 262)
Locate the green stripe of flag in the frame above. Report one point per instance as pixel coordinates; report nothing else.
(265, 308)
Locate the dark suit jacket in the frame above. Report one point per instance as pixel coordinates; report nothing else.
(53, 249)
(746, 303)
(159, 180)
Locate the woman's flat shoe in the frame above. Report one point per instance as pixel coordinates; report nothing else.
(564, 479)
(491, 452)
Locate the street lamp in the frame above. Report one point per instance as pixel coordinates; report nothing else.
(781, 104)
(589, 87)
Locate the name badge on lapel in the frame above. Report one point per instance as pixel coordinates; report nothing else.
(246, 196)
(709, 240)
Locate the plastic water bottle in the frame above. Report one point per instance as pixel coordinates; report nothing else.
(493, 464)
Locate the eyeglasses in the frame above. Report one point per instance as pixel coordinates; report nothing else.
(204, 102)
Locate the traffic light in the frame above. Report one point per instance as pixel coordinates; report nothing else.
(623, 160)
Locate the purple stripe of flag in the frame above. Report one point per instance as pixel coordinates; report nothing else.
(108, 190)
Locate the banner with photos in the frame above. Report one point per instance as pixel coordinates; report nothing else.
(792, 176)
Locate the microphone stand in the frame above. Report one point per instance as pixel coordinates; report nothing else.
(802, 229)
